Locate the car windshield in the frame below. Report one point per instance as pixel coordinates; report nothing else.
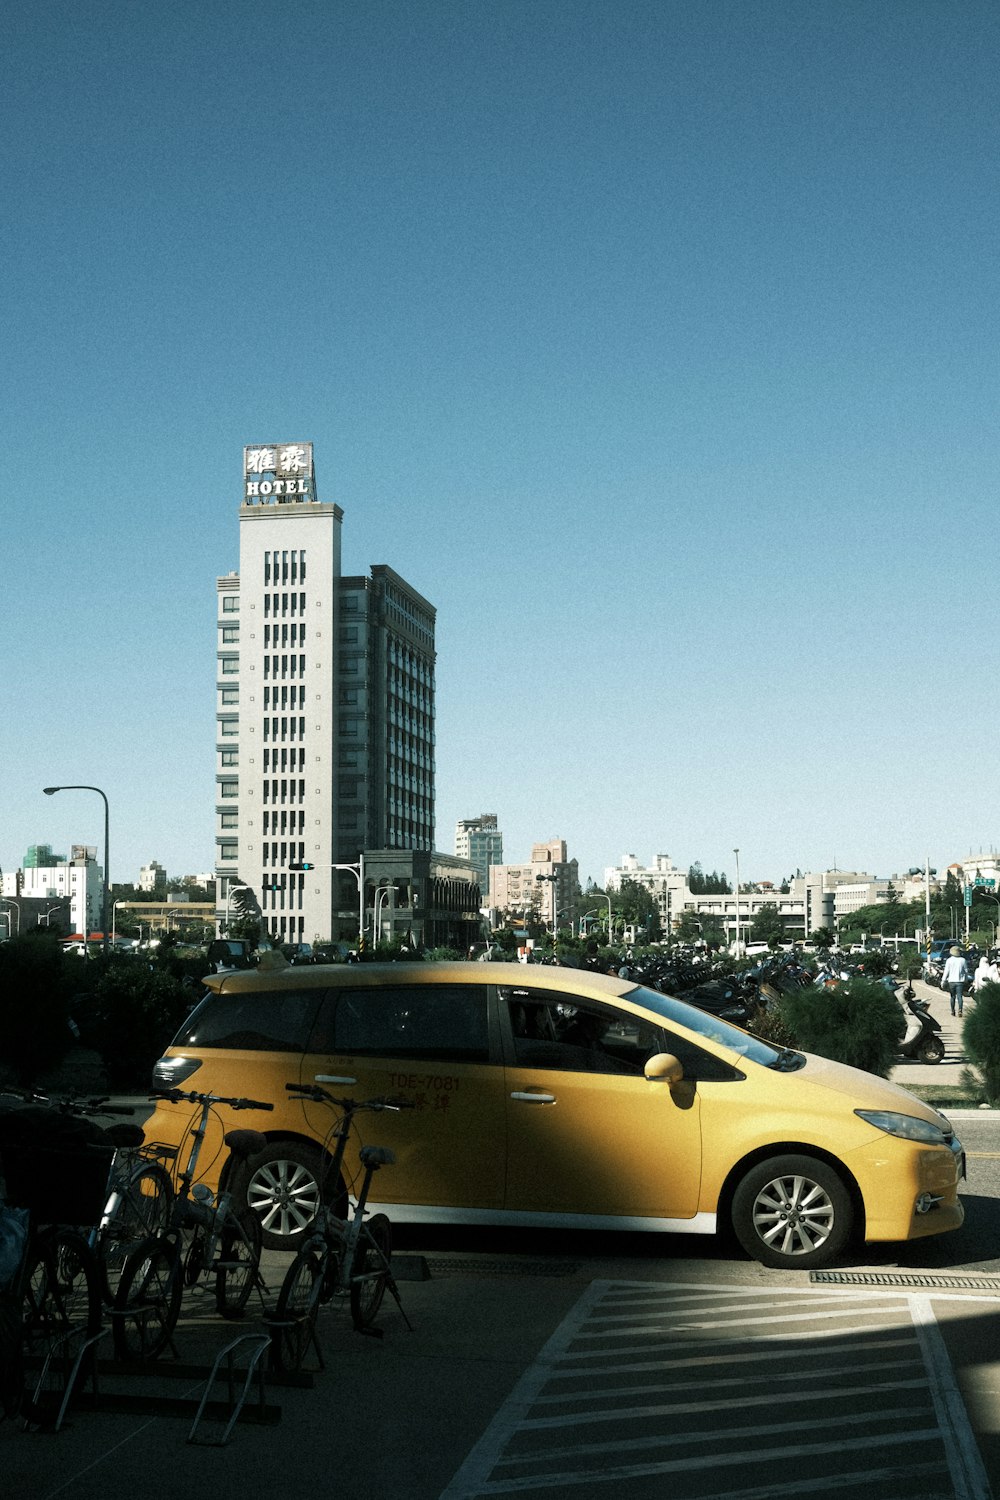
(709, 1026)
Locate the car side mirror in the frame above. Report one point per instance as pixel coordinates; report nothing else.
(664, 1067)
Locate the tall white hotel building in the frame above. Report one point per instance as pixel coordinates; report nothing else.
(325, 707)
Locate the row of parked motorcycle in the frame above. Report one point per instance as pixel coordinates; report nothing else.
(739, 997)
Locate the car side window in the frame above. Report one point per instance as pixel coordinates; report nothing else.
(550, 1030)
(448, 1021)
(252, 1020)
(698, 1065)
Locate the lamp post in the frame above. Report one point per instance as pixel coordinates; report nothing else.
(996, 902)
(48, 914)
(358, 871)
(552, 881)
(9, 901)
(736, 852)
(229, 899)
(381, 891)
(106, 884)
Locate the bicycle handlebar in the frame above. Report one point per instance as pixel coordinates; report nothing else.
(176, 1095)
(69, 1106)
(321, 1096)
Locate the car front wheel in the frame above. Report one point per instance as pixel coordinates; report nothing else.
(793, 1212)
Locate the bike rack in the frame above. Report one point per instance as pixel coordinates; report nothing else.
(60, 1348)
(261, 1343)
(275, 1323)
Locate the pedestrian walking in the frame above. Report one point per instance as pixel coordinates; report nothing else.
(955, 978)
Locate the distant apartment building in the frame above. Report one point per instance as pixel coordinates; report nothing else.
(662, 879)
(153, 878)
(325, 708)
(480, 841)
(546, 887)
(65, 893)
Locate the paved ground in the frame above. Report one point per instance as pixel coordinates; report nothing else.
(716, 1379)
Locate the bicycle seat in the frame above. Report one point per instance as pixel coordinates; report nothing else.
(245, 1142)
(125, 1136)
(376, 1156)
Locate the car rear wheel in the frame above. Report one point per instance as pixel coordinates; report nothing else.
(282, 1186)
(793, 1212)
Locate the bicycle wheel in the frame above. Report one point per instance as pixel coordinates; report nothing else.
(60, 1307)
(370, 1270)
(141, 1213)
(295, 1314)
(238, 1265)
(147, 1302)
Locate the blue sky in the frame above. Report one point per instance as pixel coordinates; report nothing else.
(655, 344)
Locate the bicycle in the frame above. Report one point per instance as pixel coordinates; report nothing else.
(139, 1187)
(340, 1256)
(52, 1308)
(204, 1237)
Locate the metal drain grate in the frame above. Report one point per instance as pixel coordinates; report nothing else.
(480, 1266)
(907, 1278)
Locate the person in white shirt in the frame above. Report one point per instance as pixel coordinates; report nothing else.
(955, 978)
(987, 972)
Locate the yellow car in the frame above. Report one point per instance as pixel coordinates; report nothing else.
(556, 1097)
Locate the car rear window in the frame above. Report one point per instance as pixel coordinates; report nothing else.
(252, 1021)
(426, 1021)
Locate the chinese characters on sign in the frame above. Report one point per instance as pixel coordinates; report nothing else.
(279, 470)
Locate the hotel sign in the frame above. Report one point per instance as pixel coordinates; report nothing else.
(278, 471)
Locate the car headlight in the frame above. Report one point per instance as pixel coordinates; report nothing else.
(908, 1127)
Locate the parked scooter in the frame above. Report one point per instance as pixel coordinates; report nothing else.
(922, 1042)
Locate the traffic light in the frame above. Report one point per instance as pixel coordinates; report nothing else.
(300, 866)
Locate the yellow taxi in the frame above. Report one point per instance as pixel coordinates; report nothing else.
(556, 1097)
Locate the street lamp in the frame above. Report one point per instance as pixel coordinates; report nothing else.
(106, 885)
(381, 891)
(737, 854)
(552, 880)
(9, 901)
(229, 899)
(358, 871)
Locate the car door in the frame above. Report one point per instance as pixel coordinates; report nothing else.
(432, 1045)
(587, 1133)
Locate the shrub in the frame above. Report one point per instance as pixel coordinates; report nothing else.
(34, 1005)
(131, 1016)
(981, 1038)
(860, 1023)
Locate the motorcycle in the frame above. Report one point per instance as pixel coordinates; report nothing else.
(922, 1042)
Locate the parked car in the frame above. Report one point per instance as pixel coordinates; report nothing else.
(559, 1097)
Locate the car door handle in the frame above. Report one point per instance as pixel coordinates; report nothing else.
(534, 1098)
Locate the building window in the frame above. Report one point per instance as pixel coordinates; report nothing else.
(231, 604)
(229, 820)
(229, 788)
(230, 757)
(230, 695)
(230, 634)
(230, 665)
(228, 851)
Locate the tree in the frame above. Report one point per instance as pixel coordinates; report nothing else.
(767, 925)
(981, 1038)
(638, 909)
(824, 937)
